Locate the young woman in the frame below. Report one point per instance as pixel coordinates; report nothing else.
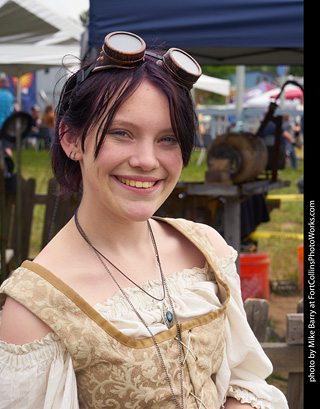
(122, 309)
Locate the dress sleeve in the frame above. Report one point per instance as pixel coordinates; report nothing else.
(245, 366)
(38, 375)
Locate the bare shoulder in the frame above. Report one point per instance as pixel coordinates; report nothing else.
(220, 245)
(20, 326)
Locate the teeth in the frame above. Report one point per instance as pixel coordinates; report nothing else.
(137, 183)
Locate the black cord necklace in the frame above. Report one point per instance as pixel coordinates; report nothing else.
(118, 269)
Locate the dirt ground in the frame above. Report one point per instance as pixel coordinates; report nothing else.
(279, 307)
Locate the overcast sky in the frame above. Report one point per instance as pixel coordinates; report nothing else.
(71, 8)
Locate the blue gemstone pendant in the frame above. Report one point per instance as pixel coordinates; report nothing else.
(167, 315)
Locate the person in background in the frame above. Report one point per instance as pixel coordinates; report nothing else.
(33, 139)
(6, 109)
(48, 124)
(6, 99)
(289, 139)
(300, 183)
(122, 309)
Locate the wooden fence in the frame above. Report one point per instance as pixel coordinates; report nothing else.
(285, 356)
(58, 211)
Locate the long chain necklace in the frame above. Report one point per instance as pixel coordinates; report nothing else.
(168, 316)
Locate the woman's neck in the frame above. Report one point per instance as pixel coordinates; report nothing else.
(115, 234)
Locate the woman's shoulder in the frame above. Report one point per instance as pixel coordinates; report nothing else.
(221, 247)
(195, 229)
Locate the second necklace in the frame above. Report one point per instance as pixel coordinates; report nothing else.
(167, 310)
(169, 317)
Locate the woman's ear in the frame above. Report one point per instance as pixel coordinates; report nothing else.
(70, 142)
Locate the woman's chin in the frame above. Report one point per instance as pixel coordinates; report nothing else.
(141, 213)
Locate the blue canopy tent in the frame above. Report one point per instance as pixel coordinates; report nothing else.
(219, 32)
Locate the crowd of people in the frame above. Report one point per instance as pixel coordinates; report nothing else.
(43, 123)
(40, 134)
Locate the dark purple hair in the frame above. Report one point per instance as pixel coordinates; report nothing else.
(82, 107)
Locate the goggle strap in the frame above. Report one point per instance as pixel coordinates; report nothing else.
(154, 55)
(82, 75)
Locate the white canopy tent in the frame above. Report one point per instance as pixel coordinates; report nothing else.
(29, 22)
(263, 100)
(17, 60)
(32, 37)
(215, 85)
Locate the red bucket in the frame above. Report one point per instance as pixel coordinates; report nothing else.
(301, 264)
(254, 275)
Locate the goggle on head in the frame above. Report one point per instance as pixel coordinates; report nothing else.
(126, 50)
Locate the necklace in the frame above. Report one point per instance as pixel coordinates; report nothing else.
(169, 317)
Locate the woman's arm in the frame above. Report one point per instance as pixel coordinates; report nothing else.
(232, 403)
(19, 326)
(246, 364)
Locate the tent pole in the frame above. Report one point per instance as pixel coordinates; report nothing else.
(19, 181)
(240, 77)
(2, 217)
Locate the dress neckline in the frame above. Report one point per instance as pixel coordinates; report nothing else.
(202, 243)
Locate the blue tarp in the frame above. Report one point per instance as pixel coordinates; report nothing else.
(214, 31)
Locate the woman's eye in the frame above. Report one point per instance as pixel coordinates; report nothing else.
(169, 139)
(119, 132)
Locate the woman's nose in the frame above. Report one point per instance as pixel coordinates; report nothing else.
(144, 156)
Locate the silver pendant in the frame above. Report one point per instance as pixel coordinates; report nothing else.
(167, 315)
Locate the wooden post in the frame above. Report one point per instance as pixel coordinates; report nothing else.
(232, 224)
(257, 315)
(23, 222)
(284, 356)
(3, 241)
(295, 380)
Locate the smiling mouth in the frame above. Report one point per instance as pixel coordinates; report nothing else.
(137, 183)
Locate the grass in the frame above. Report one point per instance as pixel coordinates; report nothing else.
(194, 172)
(287, 218)
(36, 164)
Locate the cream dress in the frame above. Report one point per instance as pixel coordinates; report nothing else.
(40, 374)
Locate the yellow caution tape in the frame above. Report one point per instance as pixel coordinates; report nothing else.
(286, 198)
(277, 235)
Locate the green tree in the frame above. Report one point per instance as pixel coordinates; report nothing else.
(84, 17)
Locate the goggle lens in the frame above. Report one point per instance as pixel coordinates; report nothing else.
(125, 42)
(185, 61)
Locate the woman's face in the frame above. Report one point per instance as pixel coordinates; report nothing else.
(140, 161)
